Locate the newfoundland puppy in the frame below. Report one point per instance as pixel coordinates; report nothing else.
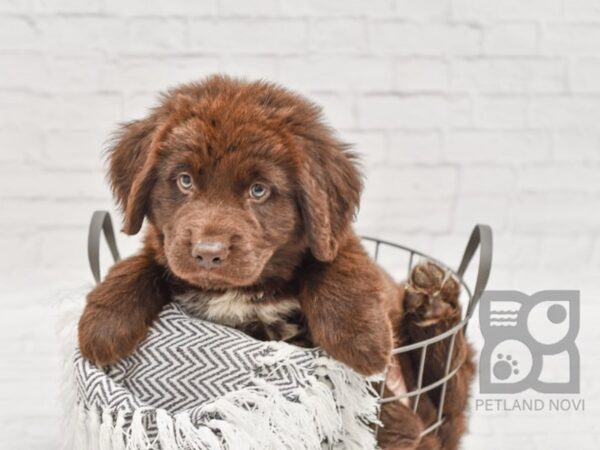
(249, 200)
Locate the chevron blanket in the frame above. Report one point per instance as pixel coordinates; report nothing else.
(197, 385)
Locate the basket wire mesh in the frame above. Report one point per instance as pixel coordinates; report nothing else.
(481, 238)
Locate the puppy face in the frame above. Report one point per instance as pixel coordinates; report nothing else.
(224, 210)
(240, 180)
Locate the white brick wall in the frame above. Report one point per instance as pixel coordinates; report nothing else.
(464, 111)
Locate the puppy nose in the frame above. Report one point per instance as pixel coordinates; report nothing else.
(209, 254)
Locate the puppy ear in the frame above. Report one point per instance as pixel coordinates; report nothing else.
(134, 156)
(330, 187)
(131, 171)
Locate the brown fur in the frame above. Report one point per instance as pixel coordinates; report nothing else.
(296, 243)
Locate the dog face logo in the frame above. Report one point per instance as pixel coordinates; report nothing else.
(529, 342)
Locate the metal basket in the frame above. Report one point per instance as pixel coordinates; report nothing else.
(481, 238)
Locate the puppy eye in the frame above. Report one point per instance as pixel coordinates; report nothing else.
(184, 181)
(259, 191)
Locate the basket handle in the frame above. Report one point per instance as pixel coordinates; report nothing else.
(100, 223)
(481, 237)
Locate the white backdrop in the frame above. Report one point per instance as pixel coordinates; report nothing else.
(464, 111)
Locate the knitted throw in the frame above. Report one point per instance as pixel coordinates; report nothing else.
(193, 384)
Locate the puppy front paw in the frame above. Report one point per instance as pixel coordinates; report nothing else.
(432, 295)
(105, 338)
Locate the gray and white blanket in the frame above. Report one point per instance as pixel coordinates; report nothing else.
(193, 384)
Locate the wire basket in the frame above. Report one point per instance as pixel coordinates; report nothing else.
(481, 238)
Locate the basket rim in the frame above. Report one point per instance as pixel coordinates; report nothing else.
(460, 279)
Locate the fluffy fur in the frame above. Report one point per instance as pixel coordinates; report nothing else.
(282, 262)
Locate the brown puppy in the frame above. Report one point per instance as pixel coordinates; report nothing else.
(249, 200)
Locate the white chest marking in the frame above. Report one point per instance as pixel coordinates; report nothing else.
(234, 308)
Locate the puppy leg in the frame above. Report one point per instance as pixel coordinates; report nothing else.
(120, 309)
(432, 307)
(343, 302)
(401, 428)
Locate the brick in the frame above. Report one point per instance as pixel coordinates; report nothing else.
(69, 248)
(471, 210)
(421, 75)
(516, 251)
(240, 36)
(460, 111)
(503, 147)
(560, 178)
(596, 253)
(556, 250)
(537, 213)
(83, 111)
(15, 6)
(338, 35)
(504, 75)
(80, 33)
(324, 73)
(76, 149)
(564, 112)
(18, 33)
(18, 215)
(423, 216)
(138, 104)
(156, 35)
(371, 147)
(26, 183)
(397, 112)
(161, 8)
(255, 8)
(251, 67)
(143, 74)
(21, 69)
(337, 8)
(19, 146)
(415, 147)
(489, 180)
(510, 39)
(424, 39)
(506, 9)
(586, 440)
(338, 110)
(586, 75)
(74, 73)
(501, 112)
(413, 183)
(424, 9)
(571, 39)
(18, 251)
(66, 6)
(22, 110)
(584, 9)
(577, 145)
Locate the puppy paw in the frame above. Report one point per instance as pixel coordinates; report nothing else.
(432, 295)
(105, 339)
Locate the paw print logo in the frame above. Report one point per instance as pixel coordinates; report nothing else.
(505, 367)
(523, 333)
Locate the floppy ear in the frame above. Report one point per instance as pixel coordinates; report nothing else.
(134, 157)
(131, 173)
(330, 187)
